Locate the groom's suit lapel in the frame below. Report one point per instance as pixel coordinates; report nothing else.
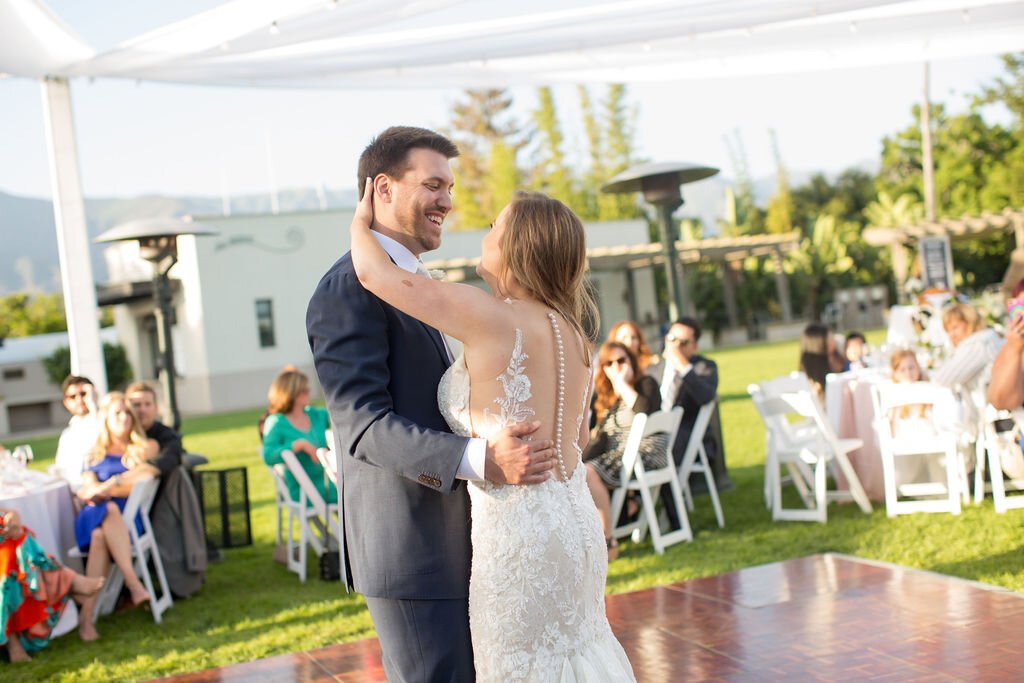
(434, 335)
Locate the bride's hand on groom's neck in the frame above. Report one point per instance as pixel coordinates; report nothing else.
(513, 459)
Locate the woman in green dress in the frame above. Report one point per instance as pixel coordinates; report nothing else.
(296, 426)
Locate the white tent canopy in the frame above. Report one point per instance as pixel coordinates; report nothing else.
(426, 43)
(464, 43)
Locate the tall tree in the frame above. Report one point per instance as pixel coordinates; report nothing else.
(749, 219)
(550, 174)
(779, 216)
(617, 134)
(596, 174)
(480, 119)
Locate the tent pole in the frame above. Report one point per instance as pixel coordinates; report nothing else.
(72, 237)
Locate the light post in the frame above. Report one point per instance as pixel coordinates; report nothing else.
(660, 183)
(158, 244)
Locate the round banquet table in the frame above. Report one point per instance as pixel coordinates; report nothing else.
(45, 506)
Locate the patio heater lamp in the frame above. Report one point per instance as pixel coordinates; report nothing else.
(158, 244)
(659, 183)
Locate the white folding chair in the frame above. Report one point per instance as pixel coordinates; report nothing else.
(1001, 454)
(329, 461)
(808, 451)
(781, 433)
(695, 460)
(314, 515)
(635, 477)
(144, 551)
(917, 496)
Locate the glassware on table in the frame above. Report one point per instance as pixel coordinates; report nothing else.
(22, 456)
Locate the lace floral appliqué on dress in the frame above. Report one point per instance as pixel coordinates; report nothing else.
(536, 595)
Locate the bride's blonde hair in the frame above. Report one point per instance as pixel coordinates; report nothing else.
(544, 249)
(135, 449)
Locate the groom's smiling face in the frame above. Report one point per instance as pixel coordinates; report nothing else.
(419, 200)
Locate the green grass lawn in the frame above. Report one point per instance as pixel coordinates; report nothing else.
(251, 607)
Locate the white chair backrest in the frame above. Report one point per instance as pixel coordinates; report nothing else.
(141, 497)
(659, 422)
(700, 425)
(898, 394)
(305, 483)
(780, 399)
(329, 461)
(787, 384)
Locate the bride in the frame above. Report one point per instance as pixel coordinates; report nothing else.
(536, 594)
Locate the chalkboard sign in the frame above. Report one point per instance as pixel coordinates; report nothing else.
(936, 262)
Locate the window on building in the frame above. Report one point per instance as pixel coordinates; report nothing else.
(14, 373)
(265, 322)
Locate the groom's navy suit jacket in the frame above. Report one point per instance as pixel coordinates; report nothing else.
(406, 516)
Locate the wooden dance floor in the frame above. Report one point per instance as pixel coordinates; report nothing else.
(825, 617)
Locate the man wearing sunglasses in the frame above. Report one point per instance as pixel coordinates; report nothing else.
(79, 437)
(690, 380)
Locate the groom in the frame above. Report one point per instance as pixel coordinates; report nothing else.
(405, 508)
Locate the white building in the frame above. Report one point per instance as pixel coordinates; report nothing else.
(28, 401)
(241, 296)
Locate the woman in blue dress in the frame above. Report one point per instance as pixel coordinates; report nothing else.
(117, 461)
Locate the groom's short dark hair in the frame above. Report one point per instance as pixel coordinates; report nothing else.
(388, 152)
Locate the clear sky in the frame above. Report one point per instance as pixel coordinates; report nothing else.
(172, 139)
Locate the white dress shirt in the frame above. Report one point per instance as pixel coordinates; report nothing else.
(76, 443)
(671, 379)
(471, 466)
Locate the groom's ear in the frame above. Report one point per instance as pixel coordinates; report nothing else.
(383, 184)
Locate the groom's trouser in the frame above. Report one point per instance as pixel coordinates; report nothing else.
(423, 641)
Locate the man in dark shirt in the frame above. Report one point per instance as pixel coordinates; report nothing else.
(176, 514)
(142, 398)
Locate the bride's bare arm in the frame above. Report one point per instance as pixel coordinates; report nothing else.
(461, 311)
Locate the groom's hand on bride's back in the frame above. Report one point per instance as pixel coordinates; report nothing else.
(514, 459)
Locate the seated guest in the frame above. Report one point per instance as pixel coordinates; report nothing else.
(142, 398)
(975, 347)
(854, 348)
(1006, 390)
(690, 380)
(628, 333)
(261, 425)
(296, 426)
(79, 437)
(34, 588)
(118, 461)
(818, 356)
(176, 515)
(621, 391)
(919, 421)
(915, 419)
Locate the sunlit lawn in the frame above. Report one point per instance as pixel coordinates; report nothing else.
(251, 607)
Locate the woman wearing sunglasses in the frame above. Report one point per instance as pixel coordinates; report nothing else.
(621, 391)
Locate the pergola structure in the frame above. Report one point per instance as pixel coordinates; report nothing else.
(463, 43)
(900, 239)
(727, 252)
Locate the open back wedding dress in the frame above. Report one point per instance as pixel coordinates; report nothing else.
(536, 594)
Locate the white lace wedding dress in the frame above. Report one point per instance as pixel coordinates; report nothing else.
(536, 592)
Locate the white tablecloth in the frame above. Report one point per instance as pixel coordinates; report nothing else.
(851, 412)
(45, 506)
